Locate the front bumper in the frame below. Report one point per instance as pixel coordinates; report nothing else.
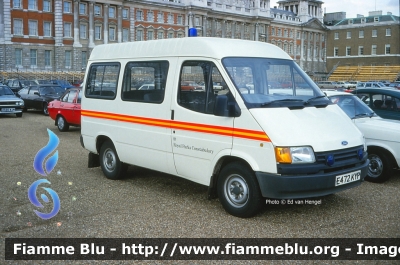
(306, 186)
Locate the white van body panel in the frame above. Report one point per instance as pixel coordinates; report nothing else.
(315, 127)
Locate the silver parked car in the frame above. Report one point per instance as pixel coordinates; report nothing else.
(9, 102)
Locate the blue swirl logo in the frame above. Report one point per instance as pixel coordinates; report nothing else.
(43, 153)
(32, 197)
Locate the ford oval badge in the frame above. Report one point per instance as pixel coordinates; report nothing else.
(344, 142)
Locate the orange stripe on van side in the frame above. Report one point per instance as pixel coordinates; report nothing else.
(180, 125)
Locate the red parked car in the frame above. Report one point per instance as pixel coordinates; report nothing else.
(67, 110)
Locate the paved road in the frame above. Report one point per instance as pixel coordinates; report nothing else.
(149, 204)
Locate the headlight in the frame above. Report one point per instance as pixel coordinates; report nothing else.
(294, 155)
(20, 103)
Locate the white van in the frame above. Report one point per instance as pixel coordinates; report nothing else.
(244, 144)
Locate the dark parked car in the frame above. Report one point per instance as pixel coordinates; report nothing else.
(384, 102)
(62, 83)
(67, 110)
(38, 97)
(15, 85)
(9, 102)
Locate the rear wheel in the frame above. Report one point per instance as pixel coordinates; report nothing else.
(380, 166)
(110, 164)
(62, 124)
(45, 110)
(238, 190)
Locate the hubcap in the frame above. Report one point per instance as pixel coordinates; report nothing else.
(61, 123)
(375, 167)
(236, 190)
(109, 160)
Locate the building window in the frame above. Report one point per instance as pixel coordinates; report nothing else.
(111, 33)
(180, 35)
(361, 34)
(160, 17)
(139, 35)
(273, 31)
(111, 12)
(373, 50)
(18, 57)
(125, 35)
(97, 10)
(150, 35)
(18, 30)
(170, 35)
(82, 8)
(376, 19)
(170, 19)
(197, 21)
(67, 7)
(32, 4)
(33, 58)
(97, 32)
(348, 35)
(47, 29)
(47, 58)
(16, 3)
(139, 15)
(335, 51)
(388, 32)
(348, 51)
(125, 13)
(67, 30)
(150, 16)
(82, 31)
(160, 35)
(387, 49)
(67, 59)
(336, 35)
(279, 33)
(83, 59)
(46, 5)
(180, 20)
(33, 27)
(360, 50)
(374, 33)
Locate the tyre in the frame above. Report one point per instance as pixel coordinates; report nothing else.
(45, 110)
(19, 115)
(238, 190)
(380, 166)
(110, 164)
(62, 124)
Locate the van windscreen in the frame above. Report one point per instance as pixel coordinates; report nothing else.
(264, 82)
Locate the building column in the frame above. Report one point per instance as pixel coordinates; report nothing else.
(308, 45)
(242, 31)
(213, 27)
(105, 24)
(91, 25)
(76, 24)
(315, 58)
(320, 47)
(233, 29)
(302, 35)
(119, 8)
(223, 28)
(204, 22)
(256, 32)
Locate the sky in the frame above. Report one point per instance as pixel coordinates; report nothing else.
(354, 7)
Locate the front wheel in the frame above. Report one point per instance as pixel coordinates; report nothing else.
(380, 166)
(62, 124)
(110, 164)
(19, 115)
(238, 190)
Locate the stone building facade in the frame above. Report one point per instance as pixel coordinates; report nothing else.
(58, 35)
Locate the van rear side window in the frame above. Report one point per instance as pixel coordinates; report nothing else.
(102, 80)
(145, 81)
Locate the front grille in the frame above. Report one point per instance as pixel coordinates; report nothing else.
(7, 103)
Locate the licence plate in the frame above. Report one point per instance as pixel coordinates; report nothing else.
(7, 109)
(347, 178)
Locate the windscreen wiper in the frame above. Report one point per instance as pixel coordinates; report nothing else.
(280, 100)
(314, 98)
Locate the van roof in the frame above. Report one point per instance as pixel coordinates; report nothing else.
(217, 48)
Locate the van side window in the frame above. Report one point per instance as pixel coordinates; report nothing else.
(145, 81)
(102, 80)
(200, 83)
